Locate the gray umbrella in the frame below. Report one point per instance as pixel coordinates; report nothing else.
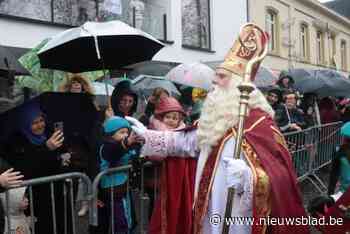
(145, 84)
(264, 78)
(8, 62)
(153, 68)
(321, 82)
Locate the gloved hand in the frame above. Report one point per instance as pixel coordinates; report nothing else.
(137, 126)
(237, 173)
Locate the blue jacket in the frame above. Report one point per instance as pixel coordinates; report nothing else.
(111, 155)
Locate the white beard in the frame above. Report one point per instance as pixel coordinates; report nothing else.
(220, 111)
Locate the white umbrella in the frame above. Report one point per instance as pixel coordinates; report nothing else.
(196, 75)
(100, 88)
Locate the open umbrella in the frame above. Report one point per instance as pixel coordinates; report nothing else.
(145, 84)
(152, 68)
(9, 63)
(265, 78)
(100, 88)
(44, 80)
(95, 45)
(321, 82)
(196, 75)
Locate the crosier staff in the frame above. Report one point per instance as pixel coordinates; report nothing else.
(248, 48)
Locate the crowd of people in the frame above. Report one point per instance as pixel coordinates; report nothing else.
(295, 112)
(114, 144)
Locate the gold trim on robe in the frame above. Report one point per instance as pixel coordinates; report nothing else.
(261, 183)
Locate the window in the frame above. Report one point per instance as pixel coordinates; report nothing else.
(55, 11)
(332, 50)
(148, 15)
(272, 29)
(196, 24)
(320, 47)
(343, 52)
(304, 42)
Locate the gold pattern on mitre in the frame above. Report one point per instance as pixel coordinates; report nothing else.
(250, 44)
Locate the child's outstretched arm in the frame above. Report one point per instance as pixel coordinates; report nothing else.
(166, 143)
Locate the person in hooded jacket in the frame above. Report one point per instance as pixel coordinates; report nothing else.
(286, 83)
(123, 101)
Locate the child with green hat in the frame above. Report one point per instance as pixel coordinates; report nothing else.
(119, 146)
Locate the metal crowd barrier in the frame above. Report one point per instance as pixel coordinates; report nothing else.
(312, 149)
(67, 188)
(135, 186)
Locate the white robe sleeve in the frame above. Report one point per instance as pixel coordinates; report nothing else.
(168, 143)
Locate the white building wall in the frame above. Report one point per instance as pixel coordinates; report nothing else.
(25, 34)
(226, 20)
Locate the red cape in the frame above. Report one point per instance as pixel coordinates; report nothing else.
(173, 209)
(274, 157)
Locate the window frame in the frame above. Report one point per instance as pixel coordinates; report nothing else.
(275, 39)
(320, 48)
(304, 38)
(209, 37)
(52, 22)
(332, 50)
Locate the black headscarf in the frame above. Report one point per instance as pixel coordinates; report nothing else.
(124, 87)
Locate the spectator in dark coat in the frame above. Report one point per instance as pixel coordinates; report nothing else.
(308, 106)
(286, 83)
(36, 155)
(123, 101)
(290, 117)
(328, 111)
(274, 97)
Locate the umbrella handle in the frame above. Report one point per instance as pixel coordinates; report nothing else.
(109, 102)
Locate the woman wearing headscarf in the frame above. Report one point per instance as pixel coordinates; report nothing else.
(36, 154)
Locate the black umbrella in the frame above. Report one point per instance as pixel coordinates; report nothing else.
(76, 111)
(95, 46)
(9, 63)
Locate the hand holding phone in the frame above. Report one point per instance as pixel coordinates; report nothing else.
(58, 126)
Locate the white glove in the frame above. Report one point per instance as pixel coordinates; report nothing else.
(137, 126)
(237, 173)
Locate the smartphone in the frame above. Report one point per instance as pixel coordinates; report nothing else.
(58, 126)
